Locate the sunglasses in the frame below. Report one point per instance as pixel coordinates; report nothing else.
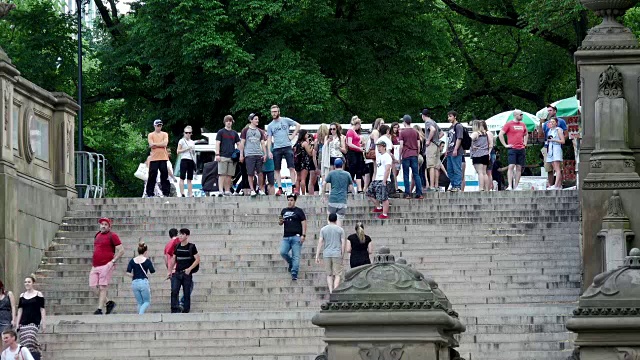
(187, 132)
(159, 125)
(333, 129)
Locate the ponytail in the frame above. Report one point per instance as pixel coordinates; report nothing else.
(360, 232)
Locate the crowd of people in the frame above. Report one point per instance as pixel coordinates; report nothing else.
(430, 159)
(26, 318)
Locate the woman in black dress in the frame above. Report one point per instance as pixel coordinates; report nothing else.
(31, 316)
(360, 246)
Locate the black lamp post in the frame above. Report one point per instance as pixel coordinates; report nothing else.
(80, 120)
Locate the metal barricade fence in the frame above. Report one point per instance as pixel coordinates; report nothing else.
(90, 174)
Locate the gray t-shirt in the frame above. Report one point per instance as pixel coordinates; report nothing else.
(427, 128)
(332, 236)
(252, 141)
(280, 132)
(339, 180)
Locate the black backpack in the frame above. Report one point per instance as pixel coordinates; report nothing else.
(195, 269)
(466, 138)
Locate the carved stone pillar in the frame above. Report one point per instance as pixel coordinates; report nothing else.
(63, 130)
(607, 320)
(609, 66)
(616, 237)
(388, 311)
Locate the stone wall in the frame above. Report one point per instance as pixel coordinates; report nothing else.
(36, 171)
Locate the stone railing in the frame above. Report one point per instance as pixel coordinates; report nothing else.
(36, 170)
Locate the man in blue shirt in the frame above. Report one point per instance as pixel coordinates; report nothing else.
(341, 183)
(551, 111)
(278, 135)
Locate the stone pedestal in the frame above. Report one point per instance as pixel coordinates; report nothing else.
(608, 318)
(609, 66)
(388, 311)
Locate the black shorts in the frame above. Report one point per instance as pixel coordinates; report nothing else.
(369, 169)
(517, 157)
(482, 160)
(287, 154)
(187, 166)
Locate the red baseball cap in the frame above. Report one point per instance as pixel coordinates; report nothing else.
(104, 219)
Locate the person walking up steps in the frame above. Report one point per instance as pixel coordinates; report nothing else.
(333, 245)
(295, 233)
(341, 184)
(139, 269)
(187, 262)
(107, 249)
(360, 247)
(278, 135)
(158, 141)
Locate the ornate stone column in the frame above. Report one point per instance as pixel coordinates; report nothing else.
(607, 320)
(388, 311)
(615, 236)
(609, 65)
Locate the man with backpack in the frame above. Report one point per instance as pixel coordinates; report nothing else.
(107, 249)
(432, 155)
(455, 150)
(187, 262)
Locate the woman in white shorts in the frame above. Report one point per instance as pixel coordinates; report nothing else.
(555, 139)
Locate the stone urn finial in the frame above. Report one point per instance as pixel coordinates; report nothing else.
(610, 34)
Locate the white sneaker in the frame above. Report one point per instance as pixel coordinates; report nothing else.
(253, 193)
(261, 193)
(509, 188)
(552, 188)
(227, 193)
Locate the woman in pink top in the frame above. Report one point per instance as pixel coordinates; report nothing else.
(355, 154)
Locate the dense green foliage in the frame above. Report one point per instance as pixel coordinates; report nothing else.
(194, 61)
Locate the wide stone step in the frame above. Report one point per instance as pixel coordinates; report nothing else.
(243, 215)
(402, 219)
(357, 208)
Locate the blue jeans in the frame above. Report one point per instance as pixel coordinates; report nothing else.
(184, 281)
(190, 292)
(454, 168)
(411, 162)
(291, 243)
(142, 292)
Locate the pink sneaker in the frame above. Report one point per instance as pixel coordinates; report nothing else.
(383, 216)
(376, 210)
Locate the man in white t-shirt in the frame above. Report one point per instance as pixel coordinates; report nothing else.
(13, 348)
(378, 189)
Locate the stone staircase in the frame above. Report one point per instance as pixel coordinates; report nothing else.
(508, 261)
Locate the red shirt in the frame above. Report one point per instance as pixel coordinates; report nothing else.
(355, 140)
(170, 248)
(410, 142)
(515, 131)
(104, 248)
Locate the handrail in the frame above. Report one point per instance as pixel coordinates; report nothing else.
(90, 174)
